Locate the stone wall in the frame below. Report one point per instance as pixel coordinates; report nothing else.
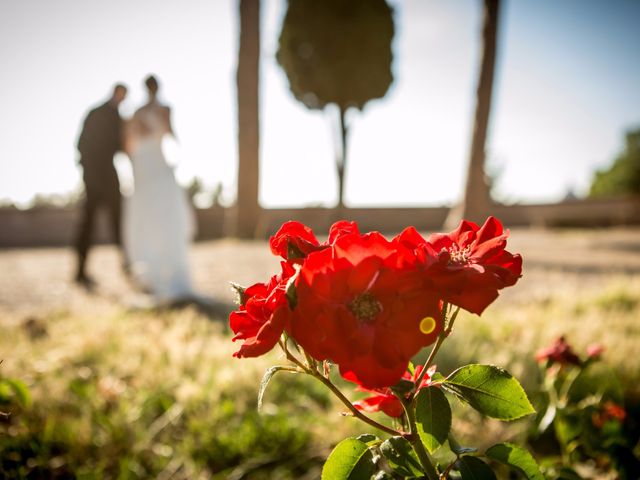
(571, 213)
(57, 226)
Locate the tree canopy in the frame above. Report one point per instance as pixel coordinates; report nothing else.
(623, 176)
(337, 51)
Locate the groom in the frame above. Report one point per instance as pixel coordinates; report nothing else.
(100, 139)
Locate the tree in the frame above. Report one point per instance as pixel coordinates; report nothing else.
(477, 199)
(247, 206)
(623, 177)
(337, 52)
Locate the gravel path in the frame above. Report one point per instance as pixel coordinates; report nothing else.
(37, 281)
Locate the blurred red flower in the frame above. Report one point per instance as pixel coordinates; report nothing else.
(558, 352)
(262, 315)
(384, 400)
(360, 307)
(608, 412)
(595, 350)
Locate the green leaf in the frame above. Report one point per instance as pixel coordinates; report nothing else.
(517, 458)
(459, 449)
(401, 457)
(293, 252)
(433, 417)
(472, 468)
(567, 473)
(268, 375)
(547, 419)
(567, 427)
(16, 389)
(350, 460)
(403, 387)
(239, 290)
(368, 438)
(464, 450)
(490, 390)
(596, 379)
(382, 476)
(291, 293)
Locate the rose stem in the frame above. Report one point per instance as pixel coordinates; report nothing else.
(354, 411)
(414, 439)
(441, 338)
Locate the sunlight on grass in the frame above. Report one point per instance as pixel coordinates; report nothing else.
(509, 333)
(142, 394)
(145, 394)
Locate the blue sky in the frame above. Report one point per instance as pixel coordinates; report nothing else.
(567, 88)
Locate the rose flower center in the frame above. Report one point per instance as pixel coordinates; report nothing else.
(458, 256)
(365, 307)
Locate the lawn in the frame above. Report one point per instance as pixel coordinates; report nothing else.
(118, 391)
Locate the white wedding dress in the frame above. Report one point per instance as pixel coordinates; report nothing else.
(158, 222)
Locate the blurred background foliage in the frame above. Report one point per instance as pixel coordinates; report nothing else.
(623, 176)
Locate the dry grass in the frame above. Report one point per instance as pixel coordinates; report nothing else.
(148, 394)
(509, 333)
(157, 394)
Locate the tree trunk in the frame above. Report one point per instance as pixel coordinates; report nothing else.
(476, 202)
(247, 211)
(341, 160)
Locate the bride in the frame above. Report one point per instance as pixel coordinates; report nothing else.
(158, 222)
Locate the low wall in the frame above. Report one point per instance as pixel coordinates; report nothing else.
(57, 226)
(382, 219)
(570, 213)
(39, 227)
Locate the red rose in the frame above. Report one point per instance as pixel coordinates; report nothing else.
(294, 241)
(360, 307)
(384, 400)
(558, 352)
(368, 304)
(417, 252)
(262, 316)
(340, 229)
(472, 264)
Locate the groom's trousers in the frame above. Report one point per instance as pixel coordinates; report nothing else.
(102, 190)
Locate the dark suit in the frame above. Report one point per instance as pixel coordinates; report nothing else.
(100, 139)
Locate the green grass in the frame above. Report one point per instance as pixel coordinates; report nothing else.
(509, 333)
(158, 395)
(146, 395)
